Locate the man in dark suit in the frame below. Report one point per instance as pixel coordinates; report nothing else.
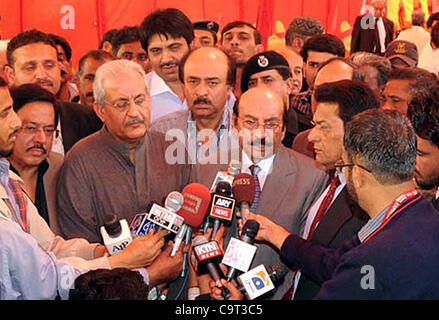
(272, 165)
(372, 32)
(32, 58)
(401, 238)
(333, 217)
(424, 114)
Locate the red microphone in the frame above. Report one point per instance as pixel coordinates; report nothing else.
(244, 192)
(194, 208)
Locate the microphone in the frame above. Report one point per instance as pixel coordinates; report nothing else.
(222, 207)
(240, 253)
(206, 255)
(244, 187)
(116, 234)
(227, 176)
(259, 281)
(196, 202)
(141, 225)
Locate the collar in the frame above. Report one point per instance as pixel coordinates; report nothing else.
(265, 164)
(158, 85)
(226, 121)
(5, 175)
(341, 177)
(119, 147)
(372, 225)
(42, 168)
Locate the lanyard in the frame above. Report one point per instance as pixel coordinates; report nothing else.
(399, 204)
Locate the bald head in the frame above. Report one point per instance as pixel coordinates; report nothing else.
(335, 70)
(295, 61)
(259, 118)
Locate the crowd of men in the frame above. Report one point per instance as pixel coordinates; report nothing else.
(343, 149)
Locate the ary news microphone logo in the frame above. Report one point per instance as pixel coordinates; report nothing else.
(222, 207)
(165, 218)
(207, 251)
(256, 282)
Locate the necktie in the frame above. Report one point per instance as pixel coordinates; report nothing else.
(326, 202)
(254, 169)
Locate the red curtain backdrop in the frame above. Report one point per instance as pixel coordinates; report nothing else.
(93, 17)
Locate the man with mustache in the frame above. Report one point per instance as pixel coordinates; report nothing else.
(33, 58)
(122, 168)
(270, 69)
(208, 75)
(260, 119)
(31, 158)
(85, 75)
(166, 36)
(241, 41)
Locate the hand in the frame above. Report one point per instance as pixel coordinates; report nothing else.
(141, 252)
(219, 236)
(268, 230)
(216, 290)
(166, 268)
(100, 251)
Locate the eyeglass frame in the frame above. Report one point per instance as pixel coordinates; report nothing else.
(346, 165)
(122, 109)
(277, 125)
(32, 131)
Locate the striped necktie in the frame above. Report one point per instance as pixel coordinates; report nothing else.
(254, 169)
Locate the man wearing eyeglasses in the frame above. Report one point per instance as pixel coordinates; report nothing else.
(122, 168)
(31, 158)
(286, 181)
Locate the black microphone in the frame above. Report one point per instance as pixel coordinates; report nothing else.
(249, 232)
(222, 206)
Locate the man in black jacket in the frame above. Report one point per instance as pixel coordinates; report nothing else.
(372, 32)
(32, 58)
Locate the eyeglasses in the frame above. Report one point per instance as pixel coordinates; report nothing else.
(253, 124)
(32, 130)
(123, 104)
(342, 165)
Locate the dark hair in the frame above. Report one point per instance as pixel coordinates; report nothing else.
(423, 112)
(323, 43)
(236, 24)
(107, 37)
(302, 27)
(351, 96)
(25, 38)
(3, 82)
(98, 55)
(60, 41)
(31, 92)
(421, 81)
(168, 22)
(384, 142)
(231, 67)
(435, 35)
(115, 284)
(381, 64)
(127, 34)
(434, 17)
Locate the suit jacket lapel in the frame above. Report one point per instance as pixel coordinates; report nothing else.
(336, 216)
(277, 183)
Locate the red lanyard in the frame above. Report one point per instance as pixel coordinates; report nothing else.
(399, 204)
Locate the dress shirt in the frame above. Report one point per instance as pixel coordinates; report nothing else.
(312, 213)
(30, 273)
(266, 165)
(371, 226)
(382, 34)
(57, 144)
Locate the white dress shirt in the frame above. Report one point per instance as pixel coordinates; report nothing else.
(382, 34)
(266, 166)
(312, 214)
